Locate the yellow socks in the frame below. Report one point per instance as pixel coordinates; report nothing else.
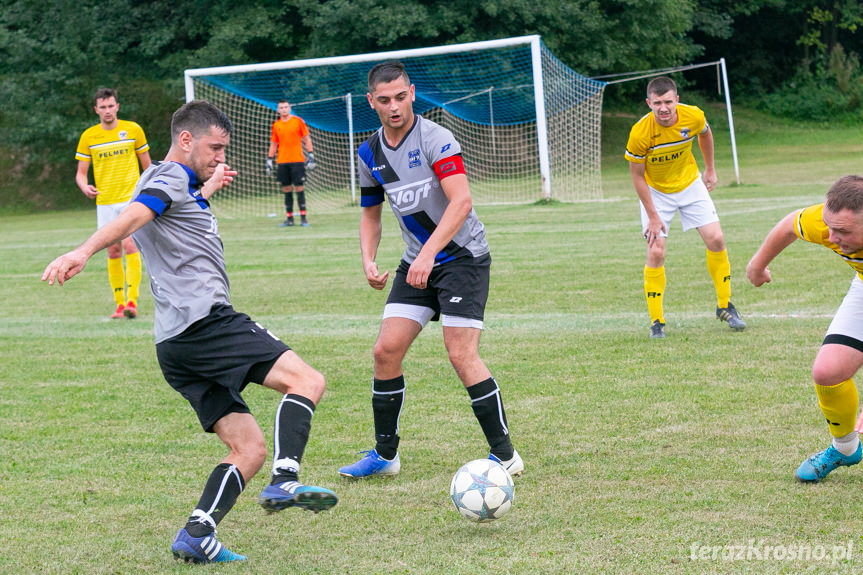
(720, 270)
(838, 403)
(654, 287)
(133, 275)
(117, 279)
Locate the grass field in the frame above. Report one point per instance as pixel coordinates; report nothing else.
(642, 456)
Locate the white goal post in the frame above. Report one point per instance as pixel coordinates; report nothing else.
(529, 126)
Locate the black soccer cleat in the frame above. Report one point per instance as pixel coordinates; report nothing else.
(657, 330)
(730, 315)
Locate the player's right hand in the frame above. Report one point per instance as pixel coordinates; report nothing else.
(375, 278)
(269, 166)
(64, 267)
(91, 192)
(654, 231)
(757, 275)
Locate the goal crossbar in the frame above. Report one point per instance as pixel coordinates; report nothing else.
(524, 119)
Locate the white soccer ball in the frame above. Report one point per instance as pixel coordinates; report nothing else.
(482, 490)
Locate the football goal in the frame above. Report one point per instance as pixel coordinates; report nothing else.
(529, 126)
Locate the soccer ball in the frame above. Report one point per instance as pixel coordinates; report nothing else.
(482, 490)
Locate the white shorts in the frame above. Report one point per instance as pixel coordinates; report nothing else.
(107, 213)
(848, 320)
(693, 202)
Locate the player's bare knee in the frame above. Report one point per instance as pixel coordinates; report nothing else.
(656, 255)
(827, 374)
(314, 384)
(386, 353)
(249, 456)
(309, 383)
(256, 456)
(463, 358)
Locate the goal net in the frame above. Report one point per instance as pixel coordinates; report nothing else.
(529, 126)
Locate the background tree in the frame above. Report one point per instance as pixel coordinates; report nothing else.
(54, 55)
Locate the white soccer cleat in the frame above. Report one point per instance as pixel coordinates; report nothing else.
(514, 466)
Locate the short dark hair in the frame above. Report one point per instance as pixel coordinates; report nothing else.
(103, 94)
(660, 86)
(197, 117)
(387, 72)
(284, 101)
(846, 194)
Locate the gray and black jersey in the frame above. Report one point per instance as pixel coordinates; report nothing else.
(181, 248)
(406, 176)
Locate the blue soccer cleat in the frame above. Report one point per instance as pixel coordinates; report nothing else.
(206, 549)
(822, 463)
(294, 494)
(371, 465)
(514, 466)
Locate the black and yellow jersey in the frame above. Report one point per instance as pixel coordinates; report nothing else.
(667, 152)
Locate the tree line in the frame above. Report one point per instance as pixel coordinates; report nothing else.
(798, 58)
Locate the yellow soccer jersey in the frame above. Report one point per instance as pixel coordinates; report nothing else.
(667, 152)
(113, 154)
(809, 225)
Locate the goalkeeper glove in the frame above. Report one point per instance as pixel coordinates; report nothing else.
(310, 161)
(269, 166)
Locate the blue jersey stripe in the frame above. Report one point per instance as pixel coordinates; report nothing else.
(422, 235)
(156, 200)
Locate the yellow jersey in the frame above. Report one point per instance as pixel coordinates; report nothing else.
(667, 152)
(113, 154)
(809, 225)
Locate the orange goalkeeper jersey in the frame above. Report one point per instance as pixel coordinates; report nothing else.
(667, 152)
(289, 134)
(113, 154)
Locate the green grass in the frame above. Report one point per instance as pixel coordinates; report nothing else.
(636, 450)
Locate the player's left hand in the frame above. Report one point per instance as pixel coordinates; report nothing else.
(418, 273)
(710, 179)
(64, 267)
(222, 177)
(311, 164)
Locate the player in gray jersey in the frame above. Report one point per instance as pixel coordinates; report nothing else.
(207, 351)
(444, 273)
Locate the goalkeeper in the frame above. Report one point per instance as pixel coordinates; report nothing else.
(667, 180)
(836, 224)
(289, 135)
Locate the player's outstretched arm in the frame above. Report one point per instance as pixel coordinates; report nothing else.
(780, 237)
(370, 239)
(132, 218)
